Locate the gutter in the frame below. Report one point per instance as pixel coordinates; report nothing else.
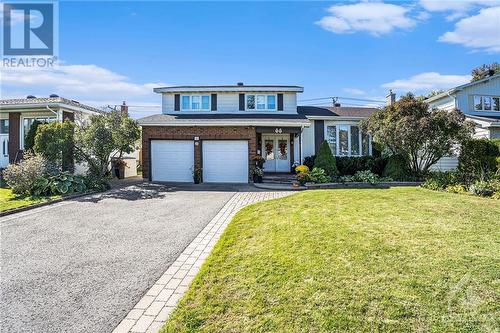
(243, 122)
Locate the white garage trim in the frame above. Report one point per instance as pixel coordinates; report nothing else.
(225, 161)
(172, 160)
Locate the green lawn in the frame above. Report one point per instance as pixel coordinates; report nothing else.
(10, 201)
(396, 260)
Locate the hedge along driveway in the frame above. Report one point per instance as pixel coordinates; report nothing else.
(402, 259)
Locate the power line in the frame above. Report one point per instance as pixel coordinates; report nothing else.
(340, 97)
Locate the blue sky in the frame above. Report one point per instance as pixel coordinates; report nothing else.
(114, 51)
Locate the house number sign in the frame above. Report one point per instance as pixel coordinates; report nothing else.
(278, 131)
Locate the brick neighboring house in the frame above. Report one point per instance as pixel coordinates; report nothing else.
(220, 129)
(17, 116)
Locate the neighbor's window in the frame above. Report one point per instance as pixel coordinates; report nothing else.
(4, 126)
(261, 102)
(486, 103)
(196, 102)
(347, 140)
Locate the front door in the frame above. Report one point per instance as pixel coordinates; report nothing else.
(276, 152)
(4, 150)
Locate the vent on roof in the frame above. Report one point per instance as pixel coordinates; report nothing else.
(491, 72)
(337, 105)
(240, 83)
(75, 101)
(53, 96)
(30, 96)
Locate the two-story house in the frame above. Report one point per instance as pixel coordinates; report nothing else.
(221, 129)
(478, 100)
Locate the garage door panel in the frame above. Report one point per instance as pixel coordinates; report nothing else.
(225, 161)
(172, 160)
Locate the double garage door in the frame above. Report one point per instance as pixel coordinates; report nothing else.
(223, 161)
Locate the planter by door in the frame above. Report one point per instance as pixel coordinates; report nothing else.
(276, 152)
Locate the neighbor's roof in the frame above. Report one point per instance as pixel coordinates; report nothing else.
(454, 90)
(43, 102)
(230, 88)
(251, 119)
(340, 111)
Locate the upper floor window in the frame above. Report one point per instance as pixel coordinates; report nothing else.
(4, 126)
(261, 102)
(195, 102)
(486, 103)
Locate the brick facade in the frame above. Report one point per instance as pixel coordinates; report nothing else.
(189, 133)
(14, 137)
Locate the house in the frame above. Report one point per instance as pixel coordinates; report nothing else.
(219, 130)
(17, 116)
(478, 100)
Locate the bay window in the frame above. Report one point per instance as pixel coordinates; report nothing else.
(195, 102)
(486, 103)
(347, 140)
(261, 102)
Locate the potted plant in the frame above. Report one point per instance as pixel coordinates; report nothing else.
(119, 168)
(257, 174)
(259, 161)
(302, 178)
(197, 175)
(294, 165)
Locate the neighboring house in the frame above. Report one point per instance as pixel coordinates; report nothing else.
(480, 102)
(17, 115)
(220, 129)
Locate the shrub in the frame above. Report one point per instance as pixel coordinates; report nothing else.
(440, 180)
(456, 189)
(396, 168)
(309, 161)
(303, 177)
(319, 176)
(60, 183)
(349, 165)
(302, 168)
(325, 160)
(365, 176)
(55, 142)
(482, 188)
(496, 195)
(29, 140)
(21, 176)
(478, 158)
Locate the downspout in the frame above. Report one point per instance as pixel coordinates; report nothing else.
(54, 112)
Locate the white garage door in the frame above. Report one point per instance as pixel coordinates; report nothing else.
(172, 160)
(225, 161)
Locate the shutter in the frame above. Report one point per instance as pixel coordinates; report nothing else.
(319, 134)
(177, 102)
(280, 102)
(214, 102)
(242, 102)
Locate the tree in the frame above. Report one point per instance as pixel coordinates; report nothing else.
(421, 136)
(325, 160)
(55, 142)
(107, 136)
(29, 140)
(484, 70)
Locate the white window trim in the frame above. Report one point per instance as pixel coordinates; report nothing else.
(201, 104)
(337, 139)
(265, 98)
(21, 127)
(482, 103)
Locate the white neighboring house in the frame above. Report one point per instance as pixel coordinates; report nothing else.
(17, 115)
(480, 102)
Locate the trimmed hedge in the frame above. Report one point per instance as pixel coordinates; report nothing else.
(350, 165)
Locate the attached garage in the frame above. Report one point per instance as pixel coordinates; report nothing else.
(172, 160)
(225, 161)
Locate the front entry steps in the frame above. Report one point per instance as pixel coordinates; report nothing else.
(279, 182)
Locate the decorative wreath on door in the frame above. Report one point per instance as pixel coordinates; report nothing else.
(282, 147)
(269, 148)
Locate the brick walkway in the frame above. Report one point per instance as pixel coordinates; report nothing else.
(152, 311)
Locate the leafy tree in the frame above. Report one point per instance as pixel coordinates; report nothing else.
(107, 136)
(325, 160)
(483, 71)
(420, 136)
(55, 142)
(29, 140)
(478, 158)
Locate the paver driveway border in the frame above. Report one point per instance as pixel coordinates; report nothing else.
(153, 309)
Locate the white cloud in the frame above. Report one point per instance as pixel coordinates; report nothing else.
(90, 84)
(354, 91)
(376, 18)
(456, 9)
(480, 32)
(428, 81)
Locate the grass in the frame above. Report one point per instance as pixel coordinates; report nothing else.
(8, 200)
(396, 260)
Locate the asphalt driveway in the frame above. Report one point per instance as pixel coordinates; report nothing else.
(80, 266)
